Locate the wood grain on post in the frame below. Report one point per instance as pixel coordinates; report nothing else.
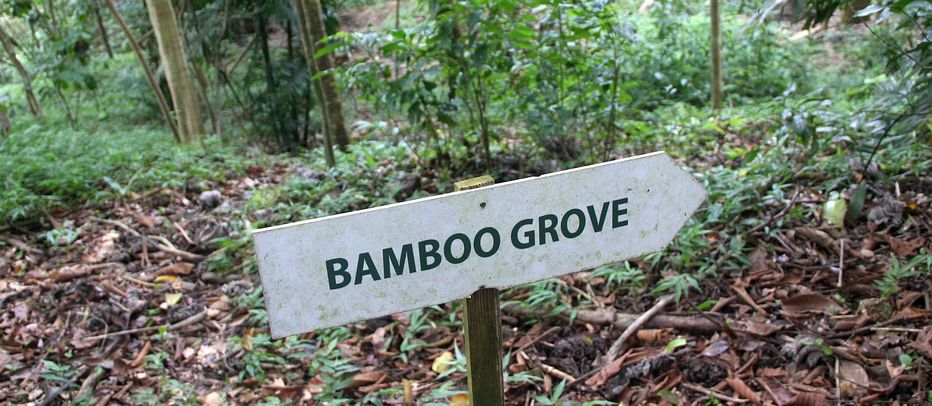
(483, 324)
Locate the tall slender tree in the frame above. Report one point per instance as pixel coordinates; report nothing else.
(716, 54)
(23, 74)
(312, 67)
(177, 72)
(311, 23)
(150, 76)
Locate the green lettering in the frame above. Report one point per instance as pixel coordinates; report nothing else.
(580, 223)
(448, 248)
(617, 212)
(598, 221)
(546, 228)
(424, 253)
(391, 261)
(529, 235)
(365, 266)
(477, 242)
(337, 267)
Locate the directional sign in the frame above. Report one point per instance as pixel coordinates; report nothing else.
(370, 263)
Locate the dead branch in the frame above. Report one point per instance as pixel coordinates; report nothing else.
(636, 325)
(169, 327)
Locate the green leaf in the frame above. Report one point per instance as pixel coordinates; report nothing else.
(326, 50)
(871, 9)
(674, 344)
(856, 207)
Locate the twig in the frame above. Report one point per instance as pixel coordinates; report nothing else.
(743, 293)
(19, 244)
(87, 388)
(778, 215)
(841, 263)
(161, 242)
(619, 343)
(556, 373)
(894, 47)
(882, 137)
(837, 380)
(709, 392)
(538, 338)
(183, 233)
(170, 327)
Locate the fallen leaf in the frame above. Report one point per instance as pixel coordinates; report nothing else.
(442, 362)
(654, 335)
(145, 221)
(923, 342)
(742, 389)
(460, 399)
(912, 313)
(172, 298)
(177, 269)
(378, 337)
(808, 302)
(608, 371)
(852, 377)
(906, 248)
(808, 399)
(366, 378)
(715, 348)
(165, 278)
(102, 248)
(213, 399)
(757, 328)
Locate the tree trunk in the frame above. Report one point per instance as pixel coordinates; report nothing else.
(150, 77)
(716, 55)
(312, 34)
(23, 74)
(103, 30)
(4, 122)
(306, 43)
(175, 61)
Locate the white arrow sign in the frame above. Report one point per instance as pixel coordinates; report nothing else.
(370, 263)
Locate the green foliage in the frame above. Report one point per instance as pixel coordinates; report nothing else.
(554, 398)
(919, 265)
(621, 276)
(47, 168)
(574, 79)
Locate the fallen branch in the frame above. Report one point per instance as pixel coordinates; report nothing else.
(636, 325)
(19, 244)
(169, 327)
(623, 320)
(556, 373)
(160, 242)
(709, 392)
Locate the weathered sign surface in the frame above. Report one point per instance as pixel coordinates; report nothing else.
(365, 264)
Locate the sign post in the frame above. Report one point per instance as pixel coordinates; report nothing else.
(482, 322)
(469, 244)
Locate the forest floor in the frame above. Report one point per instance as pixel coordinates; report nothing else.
(119, 302)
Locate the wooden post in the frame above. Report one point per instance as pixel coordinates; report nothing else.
(716, 55)
(483, 324)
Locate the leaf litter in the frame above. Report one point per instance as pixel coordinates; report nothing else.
(135, 309)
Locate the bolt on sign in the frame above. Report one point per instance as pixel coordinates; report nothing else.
(370, 263)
